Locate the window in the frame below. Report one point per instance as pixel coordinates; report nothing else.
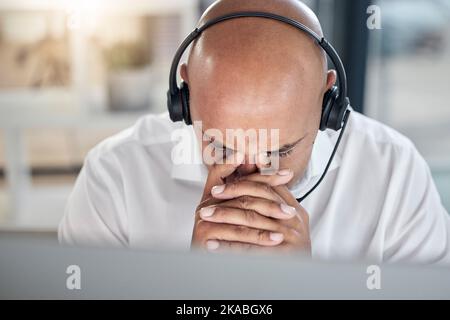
(408, 79)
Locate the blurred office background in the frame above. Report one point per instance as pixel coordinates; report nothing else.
(75, 72)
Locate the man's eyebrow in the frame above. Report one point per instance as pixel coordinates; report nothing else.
(284, 148)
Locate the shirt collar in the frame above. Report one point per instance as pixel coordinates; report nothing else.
(196, 172)
(320, 155)
(191, 168)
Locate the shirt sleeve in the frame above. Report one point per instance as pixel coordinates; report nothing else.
(418, 228)
(95, 214)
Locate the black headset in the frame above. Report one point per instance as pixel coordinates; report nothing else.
(335, 106)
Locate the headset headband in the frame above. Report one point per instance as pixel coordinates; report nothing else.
(321, 41)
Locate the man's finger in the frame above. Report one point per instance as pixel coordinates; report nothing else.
(241, 234)
(246, 218)
(265, 207)
(245, 188)
(287, 196)
(280, 177)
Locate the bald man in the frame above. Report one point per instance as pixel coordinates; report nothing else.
(378, 201)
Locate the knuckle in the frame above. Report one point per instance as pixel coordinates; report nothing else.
(266, 188)
(240, 230)
(263, 186)
(249, 216)
(261, 236)
(244, 202)
(273, 205)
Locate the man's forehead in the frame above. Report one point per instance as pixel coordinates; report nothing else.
(268, 85)
(290, 118)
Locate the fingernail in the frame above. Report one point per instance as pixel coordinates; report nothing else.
(218, 189)
(212, 244)
(288, 209)
(207, 212)
(274, 236)
(284, 172)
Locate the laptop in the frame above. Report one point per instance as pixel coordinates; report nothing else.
(37, 267)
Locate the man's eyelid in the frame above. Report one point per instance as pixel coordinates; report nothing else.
(290, 148)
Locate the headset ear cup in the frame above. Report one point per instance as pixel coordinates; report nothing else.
(184, 92)
(329, 101)
(337, 114)
(174, 106)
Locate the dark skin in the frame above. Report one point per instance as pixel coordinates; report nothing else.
(254, 73)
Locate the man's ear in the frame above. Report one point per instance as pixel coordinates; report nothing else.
(184, 73)
(331, 79)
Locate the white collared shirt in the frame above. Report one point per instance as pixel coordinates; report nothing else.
(378, 201)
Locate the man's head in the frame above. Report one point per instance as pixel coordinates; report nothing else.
(255, 73)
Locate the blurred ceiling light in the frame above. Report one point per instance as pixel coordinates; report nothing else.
(83, 14)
